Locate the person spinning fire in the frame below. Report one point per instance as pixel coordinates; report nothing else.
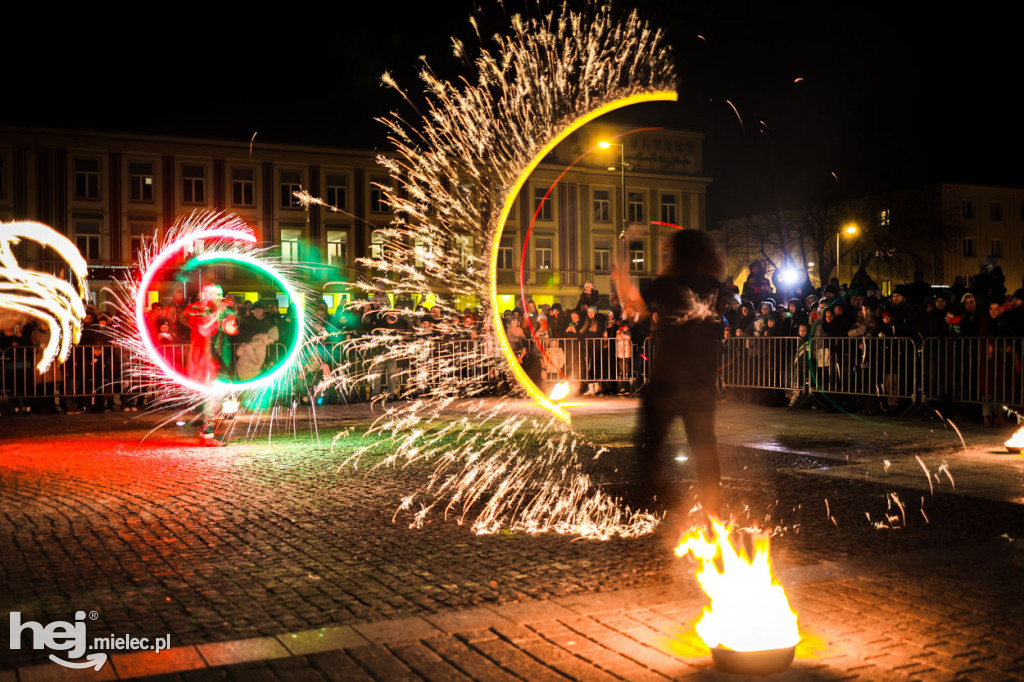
(683, 367)
(211, 321)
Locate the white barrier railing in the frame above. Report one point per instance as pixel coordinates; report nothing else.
(763, 362)
(869, 366)
(97, 370)
(974, 370)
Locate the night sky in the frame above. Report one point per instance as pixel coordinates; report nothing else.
(890, 97)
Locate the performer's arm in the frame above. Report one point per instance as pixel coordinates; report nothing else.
(626, 288)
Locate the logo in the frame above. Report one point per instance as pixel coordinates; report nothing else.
(60, 636)
(71, 638)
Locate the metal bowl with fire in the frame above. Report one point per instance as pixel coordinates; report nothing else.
(749, 626)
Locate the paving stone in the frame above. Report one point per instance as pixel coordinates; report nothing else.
(530, 612)
(141, 663)
(336, 666)
(426, 663)
(512, 658)
(398, 630)
(321, 639)
(57, 673)
(469, 662)
(467, 619)
(242, 651)
(380, 663)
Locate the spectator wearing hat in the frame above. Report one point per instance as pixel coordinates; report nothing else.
(588, 297)
(557, 321)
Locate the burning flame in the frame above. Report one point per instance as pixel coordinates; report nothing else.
(749, 610)
(561, 390)
(1016, 440)
(229, 405)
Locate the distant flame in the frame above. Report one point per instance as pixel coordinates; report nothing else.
(1016, 440)
(749, 610)
(560, 391)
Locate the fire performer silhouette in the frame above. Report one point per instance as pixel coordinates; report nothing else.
(211, 321)
(684, 364)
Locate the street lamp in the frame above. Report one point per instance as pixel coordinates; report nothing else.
(604, 144)
(850, 229)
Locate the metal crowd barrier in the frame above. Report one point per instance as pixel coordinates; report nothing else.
(867, 366)
(608, 362)
(881, 367)
(89, 371)
(974, 370)
(763, 362)
(965, 370)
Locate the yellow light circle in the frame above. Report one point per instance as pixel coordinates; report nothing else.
(506, 348)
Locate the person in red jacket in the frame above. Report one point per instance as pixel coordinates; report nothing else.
(210, 322)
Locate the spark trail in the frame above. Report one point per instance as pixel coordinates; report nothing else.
(452, 171)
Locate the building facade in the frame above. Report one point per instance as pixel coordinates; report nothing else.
(111, 193)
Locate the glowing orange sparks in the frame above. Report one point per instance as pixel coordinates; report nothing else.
(749, 610)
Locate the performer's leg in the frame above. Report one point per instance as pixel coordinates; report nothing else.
(207, 436)
(700, 432)
(656, 415)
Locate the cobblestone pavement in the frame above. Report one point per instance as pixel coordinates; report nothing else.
(243, 553)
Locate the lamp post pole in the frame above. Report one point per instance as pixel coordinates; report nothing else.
(849, 229)
(622, 169)
(837, 254)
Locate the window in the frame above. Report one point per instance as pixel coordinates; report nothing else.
(464, 250)
(2, 191)
(140, 181)
(337, 247)
(243, 187)
(996, 211)
(968, 247)
(545, 207)
(337, 195)
(290, 245)
(421, 252)
(87, 238)
(291, 182)
(884, 219)
(636, 207)
(968, 209)
(141, 235)
(602, 255)
(602, 205)
(668, 209)
(636, 256)
(505, 253)
(857, 257)
(997, 248)
(193, 184)
(377, 245)
(2, 180)
(542, 252)
(87, 179)
(378, 200)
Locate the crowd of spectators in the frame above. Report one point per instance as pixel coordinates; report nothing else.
(597, 349)
(89, 365)
(916, 310)
(978, 308)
